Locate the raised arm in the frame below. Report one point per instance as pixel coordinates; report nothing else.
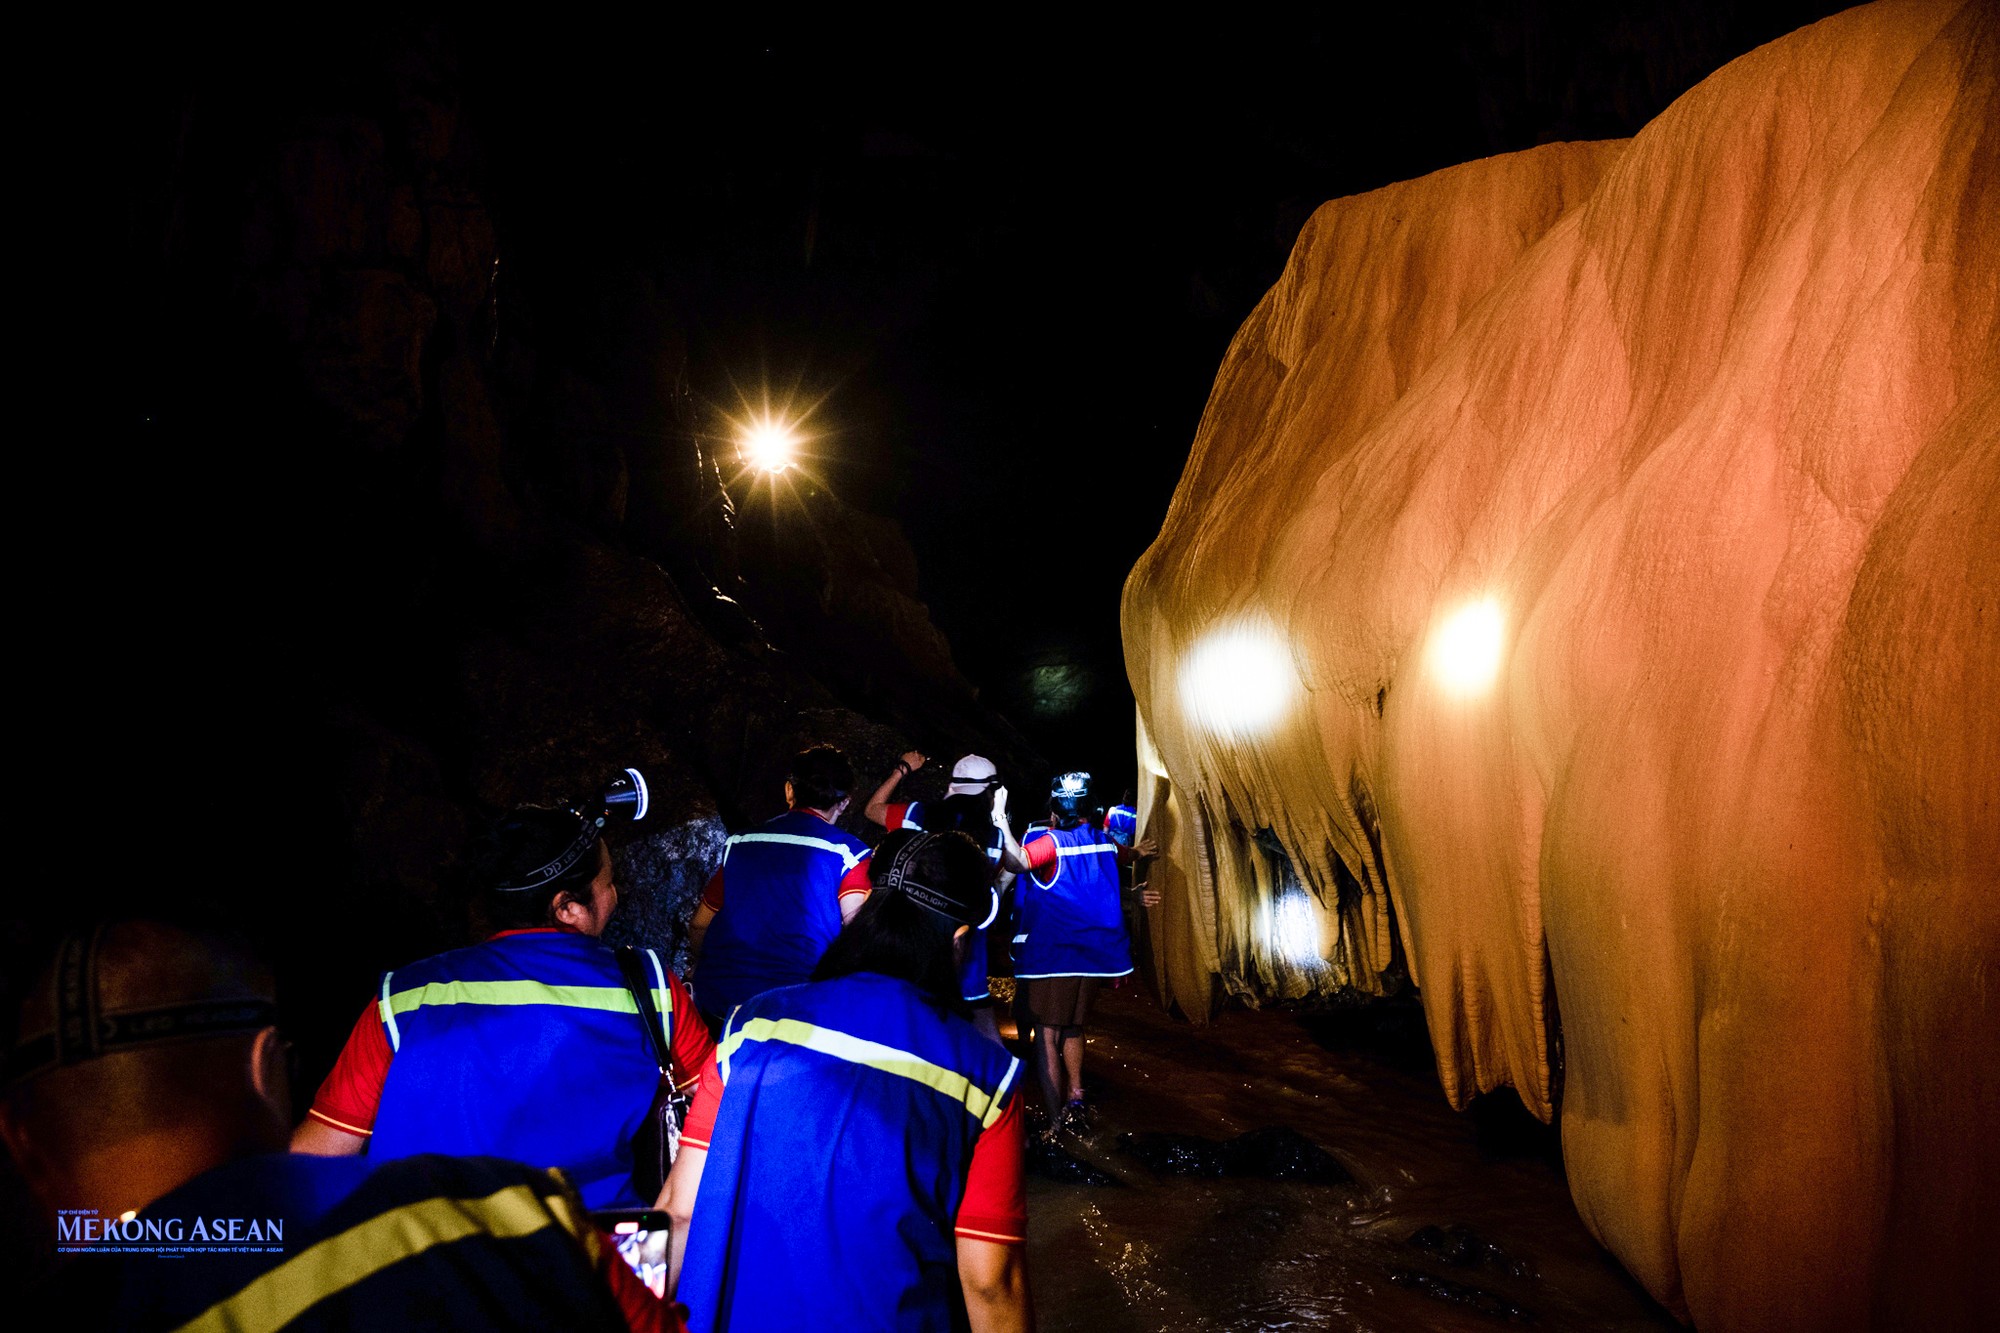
(1012, 859)
(878, 804)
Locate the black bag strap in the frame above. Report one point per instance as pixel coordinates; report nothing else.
(636, 981)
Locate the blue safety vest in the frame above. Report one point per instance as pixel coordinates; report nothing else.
(780, 908)
(1121, 821)
(972, 982)
(1074, 925)
(849, 1113)
(528, 1047)
(446, 1243)
(1010, 908)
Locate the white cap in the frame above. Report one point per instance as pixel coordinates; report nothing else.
(973, 775)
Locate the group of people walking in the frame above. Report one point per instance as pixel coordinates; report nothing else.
(853, 1153)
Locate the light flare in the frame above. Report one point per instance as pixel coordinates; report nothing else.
(1467, 647)
(769, 446)
(1238, 680)
(1292, 930)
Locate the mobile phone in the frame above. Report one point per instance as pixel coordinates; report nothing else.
(640, 1236)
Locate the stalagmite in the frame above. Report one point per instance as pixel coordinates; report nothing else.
(1584, 595)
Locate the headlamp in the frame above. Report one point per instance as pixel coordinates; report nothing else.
(624, 800)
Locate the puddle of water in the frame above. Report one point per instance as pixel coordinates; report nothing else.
(1245, 1254)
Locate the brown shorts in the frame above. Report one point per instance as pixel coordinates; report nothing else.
(1061, 1002)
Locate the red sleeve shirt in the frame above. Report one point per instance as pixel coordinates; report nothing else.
(1041, 853)
(352, 1093)
(897, 814)
(348, 1098)
(995, 1206)
(693, 1043)
(699, 1125)
(995, 1203)
(857, 881)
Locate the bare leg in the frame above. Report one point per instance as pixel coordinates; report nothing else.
(1072, 1052)
(1048, 1041)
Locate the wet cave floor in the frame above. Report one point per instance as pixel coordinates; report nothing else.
(1497, 1240)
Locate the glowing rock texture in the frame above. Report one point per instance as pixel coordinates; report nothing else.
(1688, 828)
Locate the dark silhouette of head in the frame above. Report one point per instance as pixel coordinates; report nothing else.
(185, 1071)
(820, 779)
(894, 935)
(513, 849)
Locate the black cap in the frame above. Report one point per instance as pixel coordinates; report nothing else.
(963, 900)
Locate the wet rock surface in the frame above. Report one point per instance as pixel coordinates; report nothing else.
(1273, 1153)
(1458, 1293)
(1048, 1159)
(1462, 1247)
(1442, 1225)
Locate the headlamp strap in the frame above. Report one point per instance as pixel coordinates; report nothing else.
(144, 1027)
(84, 1032)
(899, 864)
(76, 1036)
(923, 895)
(540, 877)
(918, 892)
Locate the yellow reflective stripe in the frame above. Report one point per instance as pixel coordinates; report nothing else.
(365, 1249)
(614, 998)
(984, 1105)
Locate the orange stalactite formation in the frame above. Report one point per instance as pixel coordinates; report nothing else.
(1624, 519)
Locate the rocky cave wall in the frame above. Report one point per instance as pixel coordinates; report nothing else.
(481, 544)
(1710, 418)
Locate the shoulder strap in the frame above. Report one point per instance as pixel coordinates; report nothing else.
(634, 973)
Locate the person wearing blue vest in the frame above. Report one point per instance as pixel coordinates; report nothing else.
(530, 1045)
(147, 1098)
(858, 1155)
(1071, 937)
(974, 804)
(1121, 821)
(783, 890)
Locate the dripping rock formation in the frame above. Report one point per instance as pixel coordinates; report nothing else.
(1582, 602)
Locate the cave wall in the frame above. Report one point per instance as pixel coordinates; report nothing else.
(456, 531)
(1712, 417)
